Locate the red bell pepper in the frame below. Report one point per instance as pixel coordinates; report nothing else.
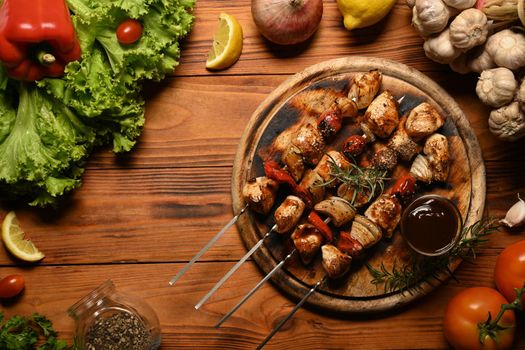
(274, 172)
(37, 38)
(325, 230)
(349, 245)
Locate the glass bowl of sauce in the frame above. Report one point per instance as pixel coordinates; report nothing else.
(431, 225)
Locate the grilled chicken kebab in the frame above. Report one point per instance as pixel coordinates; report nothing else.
(308, 173)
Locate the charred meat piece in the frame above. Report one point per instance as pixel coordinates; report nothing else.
(329, 122)
(314, 102)
(329, 160)
(385, 211)
(349, 245)
(400, 142)
(309, 142)
(339, 210)
(365, 231)
(259, 194)
(294, 162)
(423, 121)
(365, 87)
(385, 159)
(312, 183)
(420, 169)
(307, 240)
(353, 146)
(287, 215)
(356, 198)
(437, 152)
(335, 262)
(347, 107)
(381, 116)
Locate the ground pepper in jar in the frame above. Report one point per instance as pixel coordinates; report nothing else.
(119, 331)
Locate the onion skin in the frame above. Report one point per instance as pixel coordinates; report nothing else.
(287, 22)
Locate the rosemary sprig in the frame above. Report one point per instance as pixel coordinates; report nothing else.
(360, 179)
(422, 269)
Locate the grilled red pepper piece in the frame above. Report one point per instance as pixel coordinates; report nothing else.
(404, 187)
(329, 123)
(37, 38)
(325, 230)
(349, 245)
(274, 172)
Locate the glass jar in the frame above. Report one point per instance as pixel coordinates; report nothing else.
(107, 319)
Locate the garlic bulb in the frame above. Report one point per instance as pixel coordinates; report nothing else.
(507, 49)
(521, 95)
(480, 60)
(432, 16)
(496, 87)
(460, 4)
(507, 123)
(460, 64)
(470, 28)
(440, 49)
(516, 214)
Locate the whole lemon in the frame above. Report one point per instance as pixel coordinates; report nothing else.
(363, 13)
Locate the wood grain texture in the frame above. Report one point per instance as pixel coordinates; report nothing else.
(138, 217)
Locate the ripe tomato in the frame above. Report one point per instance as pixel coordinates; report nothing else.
(11, 286)
(129, 31)
(509, 272)
(469, 308)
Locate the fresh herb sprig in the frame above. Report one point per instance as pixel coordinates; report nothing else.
(422, 269)
(370, 181)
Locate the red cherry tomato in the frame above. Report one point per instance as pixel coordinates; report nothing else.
(11, 286)
(509, 272)
(471, 307)
(129, 31)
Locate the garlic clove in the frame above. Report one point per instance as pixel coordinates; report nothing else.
(516, 214)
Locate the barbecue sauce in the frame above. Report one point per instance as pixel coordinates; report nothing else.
(431, 225)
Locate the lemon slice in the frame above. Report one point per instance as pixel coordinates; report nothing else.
(227, 43)
(15, 241)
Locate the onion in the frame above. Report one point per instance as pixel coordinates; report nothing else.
(287, 22)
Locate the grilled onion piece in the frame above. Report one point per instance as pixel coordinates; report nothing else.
(294, 162)
(385, 211)
(420, 169)
(313, 183)
(365, 231)
(339, 210)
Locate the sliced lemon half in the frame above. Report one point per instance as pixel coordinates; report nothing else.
(16, 242)
(227, 43)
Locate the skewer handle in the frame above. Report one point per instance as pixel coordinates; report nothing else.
(294, 310)
(234, 268)
(207, 246)
(254, 289)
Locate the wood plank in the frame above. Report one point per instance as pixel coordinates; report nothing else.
(51, 290)
(148, 215)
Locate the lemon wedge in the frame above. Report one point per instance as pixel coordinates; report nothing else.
(15, 241)
(227, 43)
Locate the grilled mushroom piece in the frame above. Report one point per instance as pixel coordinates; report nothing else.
(339, 210)
(437, 152)
(313, 183)
(365, 87)
(385, 159)
(307, 240)
(381, 116)
(365, 231)
(287, 215)
(309, 142)
(385, 211)
(423, 121)
(335, 262)
(420, 169)
(324, 167)
(294, 162)
(400, 142)
(259, 194)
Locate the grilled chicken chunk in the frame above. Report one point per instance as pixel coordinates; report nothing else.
(385, 211)
(365, 87)
(313, 183)
(294, 162)
(339, 210)
(335, 262)
(309, 142)
(437, 152)
(259, 194)
(365, 231)
(400, 142)
(423, 121)
(330, 159)
(307, 240)
(385, 159)
(381, 116)
(315, 102)
(287, 215)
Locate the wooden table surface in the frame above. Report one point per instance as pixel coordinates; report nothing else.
(139, 218)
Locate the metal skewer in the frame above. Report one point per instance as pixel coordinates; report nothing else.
(207, 246)
(294, 310)
(234, 268)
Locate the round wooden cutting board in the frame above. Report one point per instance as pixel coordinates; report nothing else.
(284, 109)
